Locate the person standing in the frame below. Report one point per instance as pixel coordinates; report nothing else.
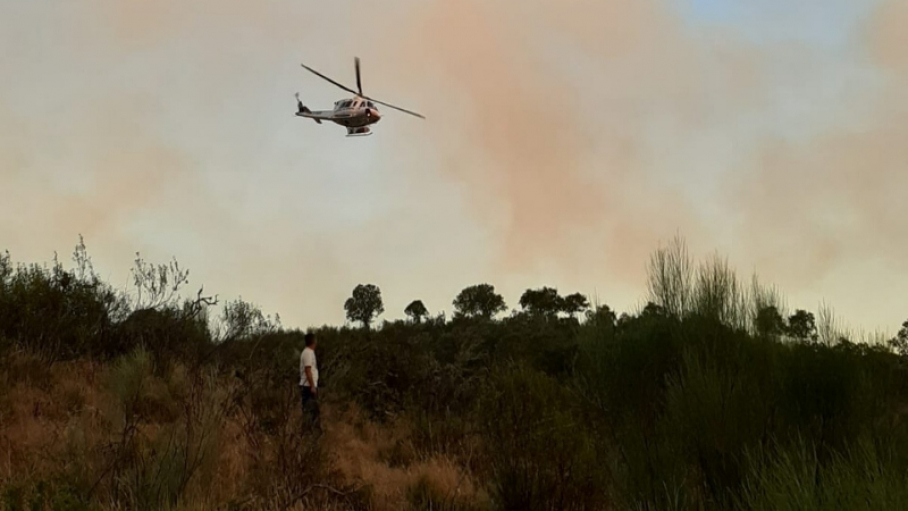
(309, 382)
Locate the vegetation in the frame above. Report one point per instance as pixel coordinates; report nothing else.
(710, 397)
(479, 301)
(365, 305)
(416, 311)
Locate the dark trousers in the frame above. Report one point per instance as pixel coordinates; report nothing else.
(310, 408)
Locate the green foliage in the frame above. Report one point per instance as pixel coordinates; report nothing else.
(547, 303)
(128, 381)
(802, 326)
(12, 498)
(574, 304)
(866, 476)
(241, 320)
(44, 495)
(166, 334)
(711, 397)
(57, 313)
(416, 311)
(899, 343)
(769, 323)
(685, 391)
(365, 304)
(542, 302)
(63, 313)
(541, 453)
(717, 408)
(152, 471)
(602, 316)
(480, 300)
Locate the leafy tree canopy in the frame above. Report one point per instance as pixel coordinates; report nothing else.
(365, 305)
(542, 302)
(603, 315)
(416, 311)
(480, 300)
(900, 341)
(802, 325)
(574, 304)
(769, 322)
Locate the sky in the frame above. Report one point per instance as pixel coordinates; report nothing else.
(564, 142)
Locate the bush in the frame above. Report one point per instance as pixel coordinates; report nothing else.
(706, 399)
(56, 496)
(539, 450)
(867, 476)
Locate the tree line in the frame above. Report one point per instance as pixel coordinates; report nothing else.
(477, 301)
(482, 301)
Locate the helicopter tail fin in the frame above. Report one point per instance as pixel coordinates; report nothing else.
(303, 109)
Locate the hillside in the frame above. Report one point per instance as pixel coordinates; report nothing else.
(711, 397)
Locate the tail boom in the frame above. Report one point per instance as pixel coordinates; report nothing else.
(303, 109)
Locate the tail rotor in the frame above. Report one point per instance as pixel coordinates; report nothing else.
(303, 109)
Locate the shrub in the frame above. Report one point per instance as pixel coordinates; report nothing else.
(540, 452)
(867, 476)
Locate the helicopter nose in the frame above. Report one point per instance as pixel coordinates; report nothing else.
(374, 113)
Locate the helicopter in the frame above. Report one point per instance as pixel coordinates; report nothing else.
(355, 114)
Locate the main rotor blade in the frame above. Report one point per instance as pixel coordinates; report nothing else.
(313, 71)
(359, 84)
(404, 110)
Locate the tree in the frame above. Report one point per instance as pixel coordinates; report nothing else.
(769, 322)
(365, 305)
(574, 304)
(803, 326)
(417, 311)
(479, 300)
(241, 319)
(602, 316)
(541, 302)
(900, 342)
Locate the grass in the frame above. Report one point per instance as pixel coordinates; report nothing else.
(714, 396)
(146, 442)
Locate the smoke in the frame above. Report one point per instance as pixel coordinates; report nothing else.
(91, 178)
(571, 123)
(578, 135)
(810, 206)
(888, 39)
(547, 112)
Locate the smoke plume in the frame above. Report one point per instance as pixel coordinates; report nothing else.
(575, 136)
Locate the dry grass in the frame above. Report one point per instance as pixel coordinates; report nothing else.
(40, 418)
(383, 459)
(68, 424)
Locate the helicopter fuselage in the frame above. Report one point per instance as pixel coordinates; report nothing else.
(355, 113)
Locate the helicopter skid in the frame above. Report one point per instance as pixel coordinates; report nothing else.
(359, 132)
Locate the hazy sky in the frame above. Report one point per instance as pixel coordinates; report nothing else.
(564, 141)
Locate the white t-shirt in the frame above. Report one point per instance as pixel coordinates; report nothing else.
(307, 359)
